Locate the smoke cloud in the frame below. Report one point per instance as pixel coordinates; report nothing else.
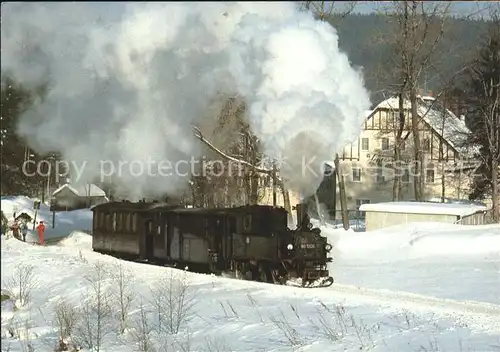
(128, 80)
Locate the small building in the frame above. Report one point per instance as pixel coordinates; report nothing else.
(72, 197)
(25, 216)
(381, 215)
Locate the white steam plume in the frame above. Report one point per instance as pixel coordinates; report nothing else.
(127, 81)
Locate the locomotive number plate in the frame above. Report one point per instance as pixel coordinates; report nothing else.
(307, 246)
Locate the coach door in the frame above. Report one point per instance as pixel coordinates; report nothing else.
(147, 247)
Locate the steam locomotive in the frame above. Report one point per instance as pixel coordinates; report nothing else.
(248, 242)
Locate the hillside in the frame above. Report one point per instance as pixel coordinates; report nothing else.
(367, 39)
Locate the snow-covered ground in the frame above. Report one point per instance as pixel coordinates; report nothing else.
(422, 287)
(65, 222)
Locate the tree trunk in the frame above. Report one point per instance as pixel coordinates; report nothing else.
(419, 168)
(397, 187)
(342, 194)
(274, 185)
(494, 190)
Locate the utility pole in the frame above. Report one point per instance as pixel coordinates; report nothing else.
(49, 196)
(274, 184)
(88, 196)
(343, 198)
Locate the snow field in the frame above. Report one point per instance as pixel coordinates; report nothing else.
(228, 314)
(419, 287)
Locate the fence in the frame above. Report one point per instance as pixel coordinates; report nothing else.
(484, 218)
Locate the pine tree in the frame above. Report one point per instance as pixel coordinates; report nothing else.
(483, 89)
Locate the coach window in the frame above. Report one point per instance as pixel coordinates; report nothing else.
(134, 222)
(127, 222)
(119, 221)
(101, 220)
(108, 222)
(114, 221)
(247, 222)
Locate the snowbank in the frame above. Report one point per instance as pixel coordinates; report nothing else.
(77, 239)
(416, 240)
(65, 222)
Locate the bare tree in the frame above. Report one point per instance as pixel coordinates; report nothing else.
(123, 294)
(325, 9)
(22, 282)
(21, 329)
(173, 300)
(484, 88)
(66, 318)
(420, 27)
(142, 331)
(97, 312)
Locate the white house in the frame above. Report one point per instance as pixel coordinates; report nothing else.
(71, 197)
(368, 164)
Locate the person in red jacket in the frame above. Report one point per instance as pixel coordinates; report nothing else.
(41, 229)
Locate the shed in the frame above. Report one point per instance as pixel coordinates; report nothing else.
(380, 215)
(25, 215)
(71, 197)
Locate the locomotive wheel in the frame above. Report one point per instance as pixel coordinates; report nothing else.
(264, 274)
(239, 275)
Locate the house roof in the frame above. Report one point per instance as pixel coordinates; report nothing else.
(454, 131)
(82, 190)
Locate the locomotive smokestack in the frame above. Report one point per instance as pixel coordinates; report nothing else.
(302, 216)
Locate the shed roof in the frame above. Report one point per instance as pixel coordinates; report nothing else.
(424, 208)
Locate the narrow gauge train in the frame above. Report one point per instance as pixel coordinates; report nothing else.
(249, 242)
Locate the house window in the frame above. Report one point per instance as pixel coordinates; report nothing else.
(391, 118)
(365, 144)
(356, 174)
(359, 202)
(385, 143)
(427, 144)
(405, 178)
(429, 176)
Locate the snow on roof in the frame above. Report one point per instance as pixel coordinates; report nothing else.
(424, 208)
(454, 130)
(82, 190)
